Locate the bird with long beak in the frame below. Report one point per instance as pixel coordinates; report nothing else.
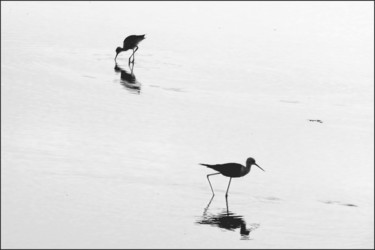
(232, 170)
(131, 42)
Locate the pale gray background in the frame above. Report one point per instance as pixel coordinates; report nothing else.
(88, 163)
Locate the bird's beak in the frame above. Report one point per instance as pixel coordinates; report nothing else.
(259, 167)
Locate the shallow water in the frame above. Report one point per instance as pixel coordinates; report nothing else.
(99, 155)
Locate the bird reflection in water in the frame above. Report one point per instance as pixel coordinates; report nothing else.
(227, 220)
(128, 80)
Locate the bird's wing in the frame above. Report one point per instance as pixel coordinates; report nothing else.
(132, 40)
(231, 166)
(224, 167)
(127, 41)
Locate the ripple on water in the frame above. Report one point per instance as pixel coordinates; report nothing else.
(339, 203)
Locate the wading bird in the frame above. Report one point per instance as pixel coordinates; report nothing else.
(131, 42)
(232, 170)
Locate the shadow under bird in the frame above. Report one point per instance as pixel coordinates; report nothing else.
(131, 42)
(227, 220)
(232, 170)
(128, 80)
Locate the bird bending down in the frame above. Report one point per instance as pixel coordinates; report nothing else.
(232, 170)
(131, 42)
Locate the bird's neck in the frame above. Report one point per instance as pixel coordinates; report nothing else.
(247, 168)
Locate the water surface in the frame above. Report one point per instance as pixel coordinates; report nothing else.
(99, 155)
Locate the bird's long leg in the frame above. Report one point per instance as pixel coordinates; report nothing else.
(226, 194)
(133, 57)
(129, 60)
(134, 50)
(131, 69)
(208, 205)
(210, 182)
(226, 201)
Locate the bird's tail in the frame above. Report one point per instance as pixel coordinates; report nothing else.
(207, 165)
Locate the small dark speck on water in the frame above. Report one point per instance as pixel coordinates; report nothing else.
(340, 203)
(316, 121)
(350, 205)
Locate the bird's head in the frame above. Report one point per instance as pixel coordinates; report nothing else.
(118, 50)
(251, 161)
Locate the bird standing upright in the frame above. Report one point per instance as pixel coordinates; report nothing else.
(131, 42)
(232, 170)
